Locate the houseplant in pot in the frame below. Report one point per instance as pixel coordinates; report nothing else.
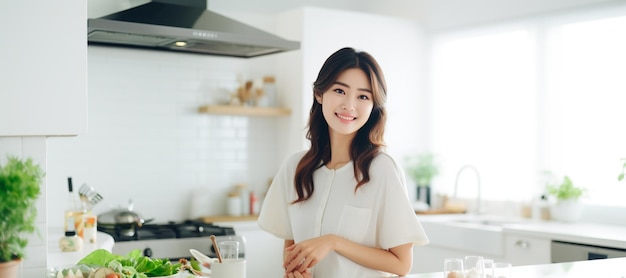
(567, 207)
(422, 168)
(19, 189)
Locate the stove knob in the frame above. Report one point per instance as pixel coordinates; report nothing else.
(147, 252)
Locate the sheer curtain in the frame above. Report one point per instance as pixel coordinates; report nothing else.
(520, 98)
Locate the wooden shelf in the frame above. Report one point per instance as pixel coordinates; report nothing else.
(226, 218)
(244, 110)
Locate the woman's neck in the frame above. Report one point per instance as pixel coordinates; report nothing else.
(339, 150)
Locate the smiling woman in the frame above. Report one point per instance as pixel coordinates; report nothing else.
(341, 206)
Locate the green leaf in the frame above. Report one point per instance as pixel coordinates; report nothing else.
(565, 190)
(19, 190)
(422, 168)
(134, 264)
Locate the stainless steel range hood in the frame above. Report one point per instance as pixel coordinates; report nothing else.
(185, 26)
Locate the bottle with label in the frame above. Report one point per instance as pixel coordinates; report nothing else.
(91, 228)
(254, 204)
(74, 213)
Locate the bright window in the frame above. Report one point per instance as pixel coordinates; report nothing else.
(586, 107)
(517, 99)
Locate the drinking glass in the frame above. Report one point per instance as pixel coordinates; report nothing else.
(452, 268)
(474, 267)
(488, 268)
(502, 270)
(229, 250)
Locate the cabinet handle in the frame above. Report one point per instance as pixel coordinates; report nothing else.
(522, 244)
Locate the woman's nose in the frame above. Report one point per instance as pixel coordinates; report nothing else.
(348, 104)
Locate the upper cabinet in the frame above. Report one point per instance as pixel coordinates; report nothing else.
(43, 86)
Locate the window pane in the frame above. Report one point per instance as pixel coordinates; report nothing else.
(586, 106)
(484, 113)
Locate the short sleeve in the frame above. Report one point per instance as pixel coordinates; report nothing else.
(274, 215)
(399, 224)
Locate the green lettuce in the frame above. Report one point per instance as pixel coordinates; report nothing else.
(133, 265)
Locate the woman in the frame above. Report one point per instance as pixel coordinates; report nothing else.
(342, 206)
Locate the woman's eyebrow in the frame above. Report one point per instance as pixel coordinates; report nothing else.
(346, 85)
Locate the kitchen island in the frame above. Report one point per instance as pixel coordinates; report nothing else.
(609, 268)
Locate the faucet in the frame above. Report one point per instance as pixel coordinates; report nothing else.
(456, 184)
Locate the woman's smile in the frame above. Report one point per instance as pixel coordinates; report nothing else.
(345, 117)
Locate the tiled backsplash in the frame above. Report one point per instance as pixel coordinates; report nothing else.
(147, 142)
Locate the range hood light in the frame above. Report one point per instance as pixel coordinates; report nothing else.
(180, 43)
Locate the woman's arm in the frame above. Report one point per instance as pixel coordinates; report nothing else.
(397, 260)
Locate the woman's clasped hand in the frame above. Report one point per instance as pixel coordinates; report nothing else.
(306, 254)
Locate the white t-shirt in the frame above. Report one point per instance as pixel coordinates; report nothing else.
(379, 214)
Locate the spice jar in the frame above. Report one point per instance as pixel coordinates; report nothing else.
(234, 204)
(71, 242)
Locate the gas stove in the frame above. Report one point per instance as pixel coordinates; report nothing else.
(172, 240)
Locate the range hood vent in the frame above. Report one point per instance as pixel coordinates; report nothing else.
(184, 26)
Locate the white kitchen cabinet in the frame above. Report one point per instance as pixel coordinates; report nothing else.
(43, 86)
(263, 251)
(453, 240)
(526, 250)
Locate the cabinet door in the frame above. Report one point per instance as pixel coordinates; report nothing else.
(524, 250)
(43, 86)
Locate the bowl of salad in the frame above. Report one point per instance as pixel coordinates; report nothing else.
(103, 264)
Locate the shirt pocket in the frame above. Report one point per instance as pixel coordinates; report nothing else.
(354, 223)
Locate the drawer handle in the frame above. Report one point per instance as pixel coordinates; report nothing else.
(522, 244)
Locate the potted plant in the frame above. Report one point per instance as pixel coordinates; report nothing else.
(567, 207)
(422, 169)
(19, 189)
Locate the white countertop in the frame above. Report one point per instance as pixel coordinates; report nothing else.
(57, 258)
(578, 232)
(583, 269)
(584, 233)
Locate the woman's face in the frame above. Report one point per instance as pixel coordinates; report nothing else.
(348, 103)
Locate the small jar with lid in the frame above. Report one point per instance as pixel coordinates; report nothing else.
(234, 204)
(71, 242)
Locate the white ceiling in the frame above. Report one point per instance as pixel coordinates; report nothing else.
(433, 14)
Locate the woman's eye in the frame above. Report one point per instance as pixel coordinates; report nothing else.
(340, 91)
(364, 97)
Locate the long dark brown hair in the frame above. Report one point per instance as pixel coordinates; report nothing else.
(369, 138)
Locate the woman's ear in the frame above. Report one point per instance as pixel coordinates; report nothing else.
(319, 99)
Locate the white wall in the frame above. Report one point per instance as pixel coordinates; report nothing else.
(147, 141)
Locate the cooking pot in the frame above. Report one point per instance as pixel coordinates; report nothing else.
(124, 220)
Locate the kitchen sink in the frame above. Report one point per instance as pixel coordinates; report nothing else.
(474, 238)
(488, 222)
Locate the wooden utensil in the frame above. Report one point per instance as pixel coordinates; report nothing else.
(217, 249)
